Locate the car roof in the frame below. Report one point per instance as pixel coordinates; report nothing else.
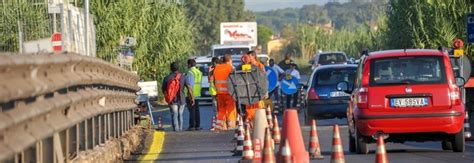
(405, 52)
(335, 66)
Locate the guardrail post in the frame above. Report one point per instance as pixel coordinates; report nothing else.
(94, 132)
(99, 134)
(39, 151)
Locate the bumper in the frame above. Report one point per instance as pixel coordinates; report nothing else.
(440, 122)
(327, 108)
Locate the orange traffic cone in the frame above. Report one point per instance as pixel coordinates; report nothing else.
(285, 153)
(381, 154)
(276, 131)
(248, 152)
(159, 126)
(213, 125)
(236, 134)
(292, 132)
(337, 155)
(314, 148)
(268, 112)
(257, 149)
(240, 141)
(268, 152)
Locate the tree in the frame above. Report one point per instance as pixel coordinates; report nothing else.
(207, 16)
(264, 35)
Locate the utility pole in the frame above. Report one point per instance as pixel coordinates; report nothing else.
(86, 26)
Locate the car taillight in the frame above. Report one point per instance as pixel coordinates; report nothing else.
(455, 96)
(362, 97)
(312, 95)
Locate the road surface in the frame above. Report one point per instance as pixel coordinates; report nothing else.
(206, 146)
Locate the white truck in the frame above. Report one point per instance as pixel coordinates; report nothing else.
(236, 38)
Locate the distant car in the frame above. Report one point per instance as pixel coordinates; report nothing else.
(405, 95)
(327, 58)
(323, 101)
(203, 63)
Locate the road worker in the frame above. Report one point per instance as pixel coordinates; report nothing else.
(194, 77)
(212, 88)
(250, 108)
(226, 111)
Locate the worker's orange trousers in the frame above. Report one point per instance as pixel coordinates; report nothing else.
(226, 111)
(251, 110)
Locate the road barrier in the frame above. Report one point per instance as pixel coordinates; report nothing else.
(59, 108)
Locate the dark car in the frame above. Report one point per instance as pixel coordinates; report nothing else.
(328, 58)
(323, 101)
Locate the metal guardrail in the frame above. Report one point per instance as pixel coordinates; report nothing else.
(52, 107)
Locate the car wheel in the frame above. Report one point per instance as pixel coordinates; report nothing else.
(446, 145)
(458, 141)
(352, 143)
(362, 147)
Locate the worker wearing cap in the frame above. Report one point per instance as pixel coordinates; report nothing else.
(292, 72)
(250, 58)
(226, 111)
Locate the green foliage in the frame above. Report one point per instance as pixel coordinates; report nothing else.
(32, 19)
(264, 35)
(207, 16)
(309, 39)
(426, 23)
(346, 15)
(162, 31)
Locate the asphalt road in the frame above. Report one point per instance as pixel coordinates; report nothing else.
(206, 146)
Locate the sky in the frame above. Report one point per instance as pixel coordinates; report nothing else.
(265, 5)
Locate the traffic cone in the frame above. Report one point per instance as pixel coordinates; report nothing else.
(213, 125)
(276, 131)
(159, 126)
(236, 134)
(268, 152)
(260, 124)
(285, 153)
(381, 154)
(248, 152)
(240, 141)
(314, 148)
(292, 132)
(337, 155)
(257, 149)
(268, 113)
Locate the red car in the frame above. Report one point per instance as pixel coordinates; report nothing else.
(405, 95)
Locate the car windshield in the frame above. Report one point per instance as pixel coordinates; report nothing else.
(231, 51)
(203, 67)
(332, 58)
(332, 76)
(407, 70)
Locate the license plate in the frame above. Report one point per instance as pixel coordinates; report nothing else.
(338, 94)
(408, 102)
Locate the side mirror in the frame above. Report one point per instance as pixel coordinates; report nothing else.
(311, 62)
(460, 81)
(343, 86)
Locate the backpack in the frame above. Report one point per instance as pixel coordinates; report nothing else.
(172, 88)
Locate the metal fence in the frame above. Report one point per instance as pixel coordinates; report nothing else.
(54, 108)
(26, 26)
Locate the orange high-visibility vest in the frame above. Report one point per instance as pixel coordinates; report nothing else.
(221, 73)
